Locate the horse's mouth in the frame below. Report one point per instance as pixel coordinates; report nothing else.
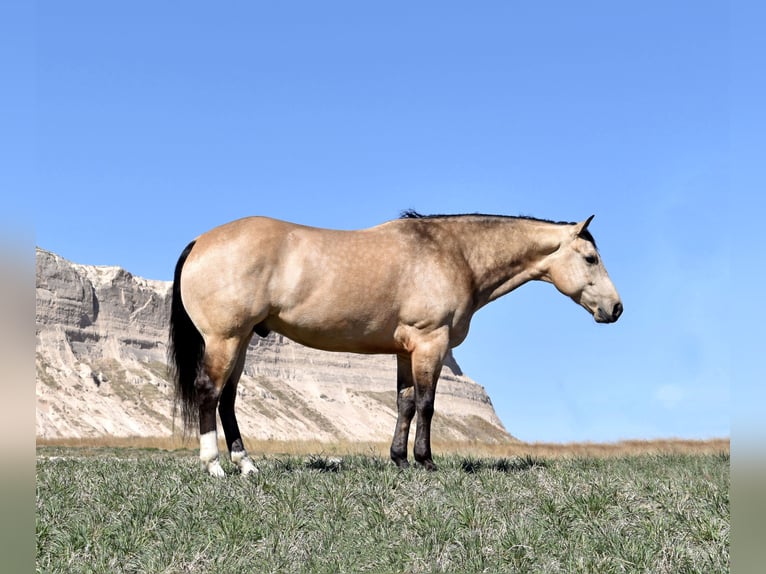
(602, 316)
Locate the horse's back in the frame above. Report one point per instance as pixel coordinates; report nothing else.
(259, 264)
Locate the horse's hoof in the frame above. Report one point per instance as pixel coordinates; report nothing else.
(403, 463)
(428, 465)
(215, 469)
(246, 467)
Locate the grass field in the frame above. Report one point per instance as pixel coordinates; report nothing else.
(474, 448)
(105, 509)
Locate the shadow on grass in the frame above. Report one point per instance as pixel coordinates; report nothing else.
(518, 464)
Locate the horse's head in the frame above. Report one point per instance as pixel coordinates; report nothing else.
(576, 269)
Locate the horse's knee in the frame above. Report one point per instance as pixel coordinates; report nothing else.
(405, 402)
(425, 411)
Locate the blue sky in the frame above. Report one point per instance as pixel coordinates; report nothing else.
(154, 122)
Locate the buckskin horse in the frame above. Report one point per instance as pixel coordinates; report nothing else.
(408, 287)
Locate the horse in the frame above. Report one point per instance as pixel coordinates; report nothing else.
(408, 287)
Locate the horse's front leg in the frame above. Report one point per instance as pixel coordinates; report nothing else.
(229, 420)
(405, 404)
(427, 360)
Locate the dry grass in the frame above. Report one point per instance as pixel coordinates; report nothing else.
(589, 449)
(508, 449)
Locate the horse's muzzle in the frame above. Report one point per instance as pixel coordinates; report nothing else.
(604, 317)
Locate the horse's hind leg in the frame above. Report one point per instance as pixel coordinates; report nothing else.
(221, 356)
(405, 404)
(229, 420)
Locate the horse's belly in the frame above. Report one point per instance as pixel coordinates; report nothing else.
(348, 336)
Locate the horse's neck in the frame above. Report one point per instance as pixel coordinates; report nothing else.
(507, 254)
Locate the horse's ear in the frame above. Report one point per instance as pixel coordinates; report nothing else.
(581, 227)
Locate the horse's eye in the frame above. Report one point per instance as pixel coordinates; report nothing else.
(591, 259)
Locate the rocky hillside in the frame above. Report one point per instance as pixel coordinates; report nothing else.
(101, 371)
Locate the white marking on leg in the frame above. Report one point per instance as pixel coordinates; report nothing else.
(237, 456)
(214, 469)
(208, 453)
(244, 462)
(208, 446)
(246, 466)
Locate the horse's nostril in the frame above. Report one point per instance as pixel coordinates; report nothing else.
(617, 311)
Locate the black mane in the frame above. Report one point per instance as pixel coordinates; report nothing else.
(412, 214)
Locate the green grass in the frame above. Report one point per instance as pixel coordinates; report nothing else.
(134, 510)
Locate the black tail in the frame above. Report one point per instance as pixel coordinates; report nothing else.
(185, 351)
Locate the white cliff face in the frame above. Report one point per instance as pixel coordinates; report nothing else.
(101, 371)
